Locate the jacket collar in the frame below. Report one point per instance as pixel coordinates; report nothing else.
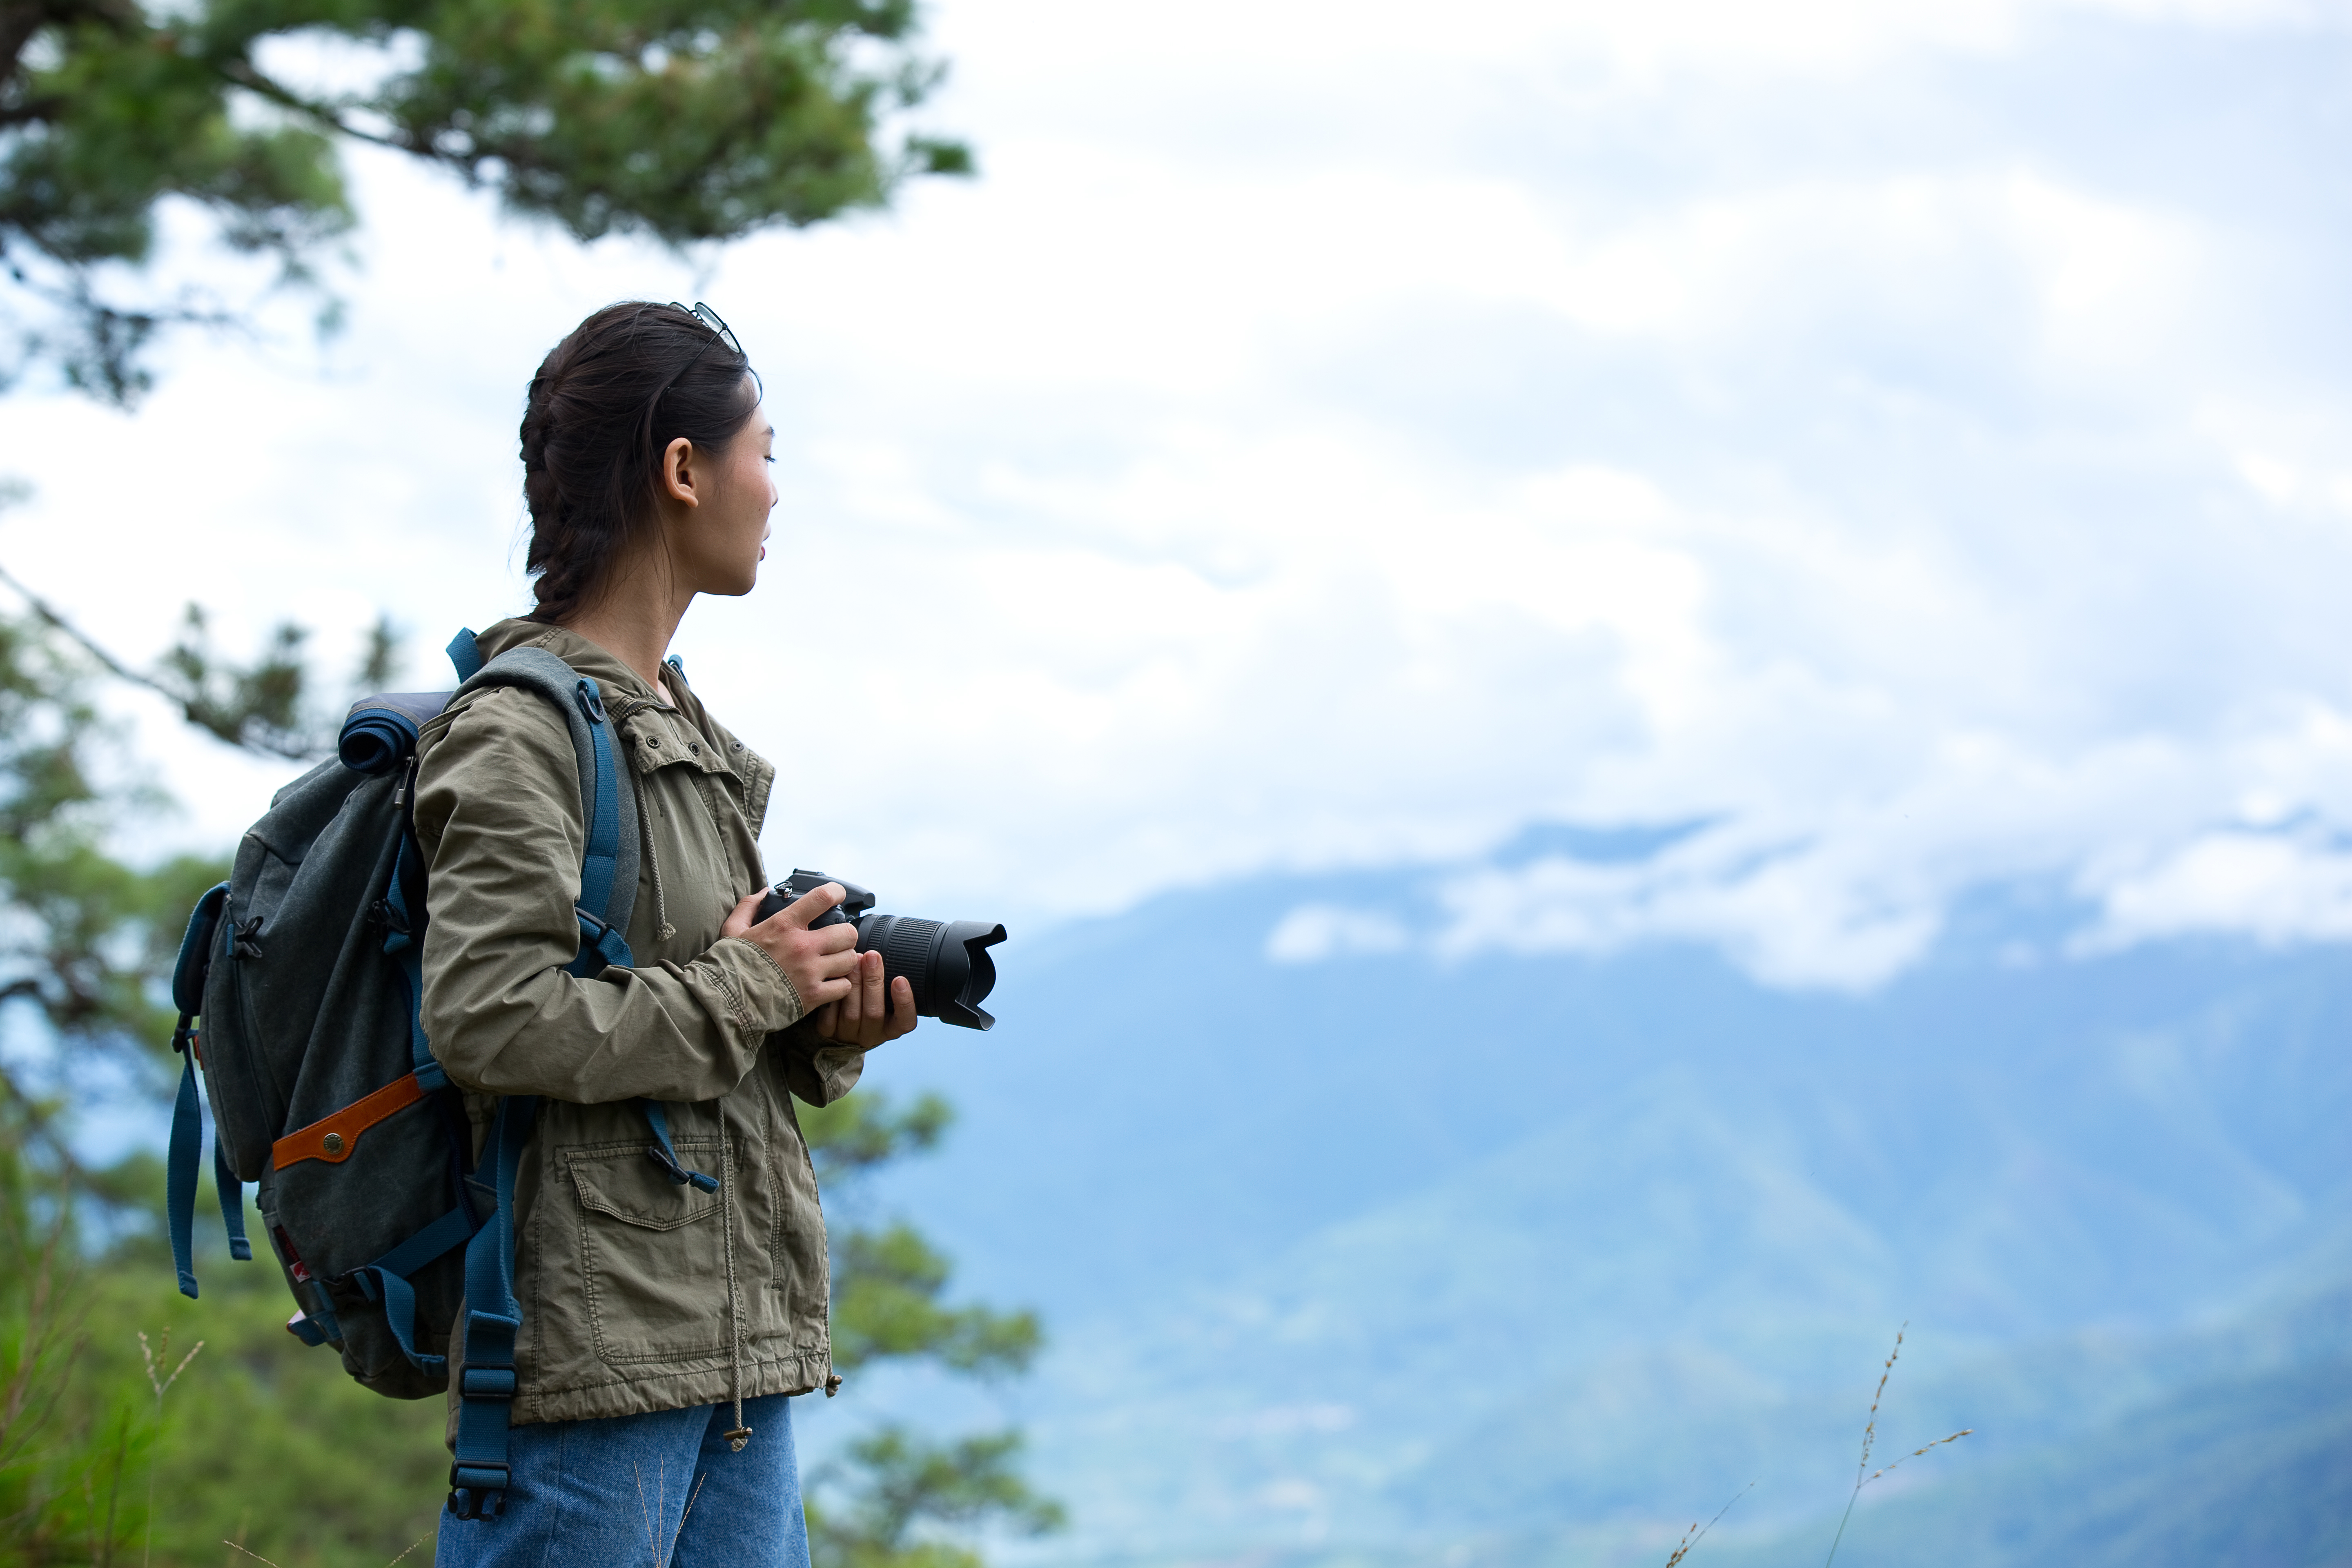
(621, 685)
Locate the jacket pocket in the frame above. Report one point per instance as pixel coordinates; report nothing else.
(652, 1257)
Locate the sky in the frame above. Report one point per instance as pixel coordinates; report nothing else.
(1901, 447)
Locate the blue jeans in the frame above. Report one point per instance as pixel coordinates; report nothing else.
(616, 1494)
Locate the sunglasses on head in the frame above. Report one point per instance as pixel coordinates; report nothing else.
(720, 333)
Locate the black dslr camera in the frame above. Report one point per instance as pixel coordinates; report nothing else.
(946, 962)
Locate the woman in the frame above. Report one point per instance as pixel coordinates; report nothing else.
(663, 1325)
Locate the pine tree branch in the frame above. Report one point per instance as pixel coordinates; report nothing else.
(189, 705)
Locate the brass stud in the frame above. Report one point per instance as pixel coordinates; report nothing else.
(333, 1142)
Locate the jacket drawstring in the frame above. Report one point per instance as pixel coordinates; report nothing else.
(663, 930)
(741, 1433)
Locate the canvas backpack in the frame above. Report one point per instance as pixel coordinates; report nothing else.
(305, 969)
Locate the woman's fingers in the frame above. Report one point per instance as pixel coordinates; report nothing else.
(872, 986)
(809, 905)
(858, 1018)
(739, 921)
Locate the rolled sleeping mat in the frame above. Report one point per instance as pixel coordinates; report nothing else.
(379, 732)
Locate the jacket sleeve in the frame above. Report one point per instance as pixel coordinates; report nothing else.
(816, 1069)
(497, 813)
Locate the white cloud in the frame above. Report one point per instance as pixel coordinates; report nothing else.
(1325, 439)
(1312, 932)
(2278, 889)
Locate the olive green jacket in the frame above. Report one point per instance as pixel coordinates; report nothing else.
(637, 1294)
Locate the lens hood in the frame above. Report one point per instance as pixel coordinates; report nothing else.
(946, 962)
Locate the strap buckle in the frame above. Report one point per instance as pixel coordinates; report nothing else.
(477, 1489)
(487, 1382)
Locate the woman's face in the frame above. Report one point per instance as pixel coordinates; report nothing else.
(721, 541)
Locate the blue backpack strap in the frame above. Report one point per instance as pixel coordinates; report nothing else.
(231, 1193)
(478, 1479)
(465, 655)
(600, 861)
(186, 1145)
(180, 1164)
(386, 1280)
(664, 1155)
(400, 940)
(179, 1161)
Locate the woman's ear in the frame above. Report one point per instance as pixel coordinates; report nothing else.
(678, 472)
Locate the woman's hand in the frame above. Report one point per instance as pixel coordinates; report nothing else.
(858, 1020)
(818, 962)
(840, 985)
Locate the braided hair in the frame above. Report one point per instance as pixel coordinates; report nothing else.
(606, 403)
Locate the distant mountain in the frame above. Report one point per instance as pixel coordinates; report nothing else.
(1530, 1259)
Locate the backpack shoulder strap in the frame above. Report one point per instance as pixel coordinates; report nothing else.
(608, 870)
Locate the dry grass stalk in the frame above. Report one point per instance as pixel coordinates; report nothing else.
(661, 1501)
(257, 1557)
(1870, 1437)
(155, 1356)
(1697, 1533)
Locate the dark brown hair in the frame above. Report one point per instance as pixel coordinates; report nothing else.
(606, 403)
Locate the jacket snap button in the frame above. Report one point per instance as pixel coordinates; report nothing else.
(695, 747)
(653, 740)
(333, 1142)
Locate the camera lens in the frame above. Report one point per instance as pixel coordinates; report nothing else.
(946, 962)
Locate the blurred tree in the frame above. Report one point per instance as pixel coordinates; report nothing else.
(884, 1503)
(83, 936)
(684, 120)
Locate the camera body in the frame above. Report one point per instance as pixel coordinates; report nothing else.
(946, 962)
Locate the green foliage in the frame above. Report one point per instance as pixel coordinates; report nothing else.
(888, 1281)
(854, 1135)
(261, 706)
(908, 1484)
(884, 1504)
(259, 1439)
(85, 936)
(684, 120)
(886, 1302)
